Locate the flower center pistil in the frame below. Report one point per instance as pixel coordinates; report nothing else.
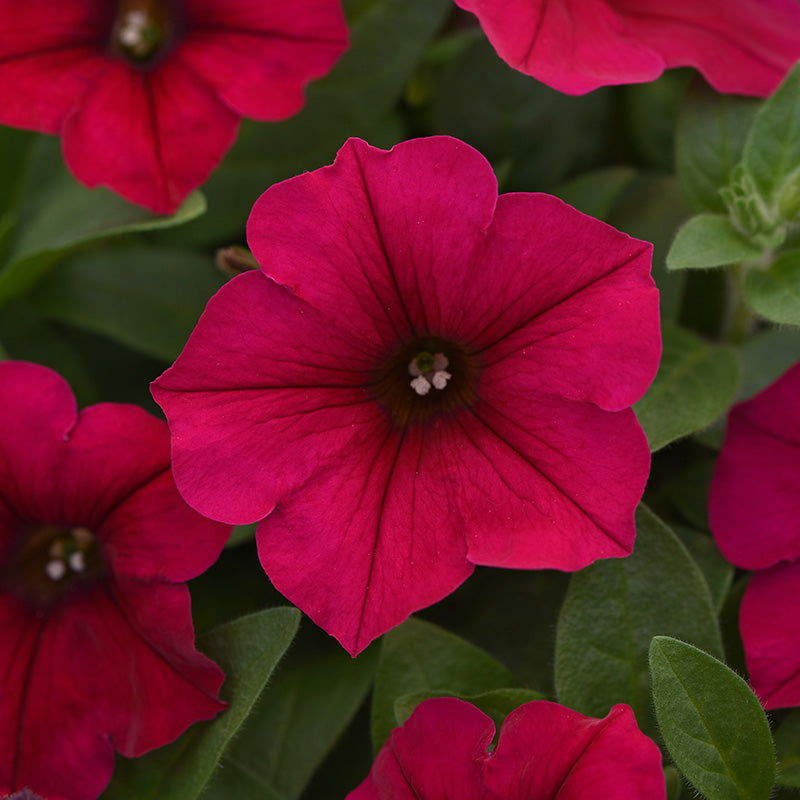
(68, 553)
(141, 30)
(428, 369)
(44, 561)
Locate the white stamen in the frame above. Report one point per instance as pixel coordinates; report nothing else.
(77, 561)
(440, 363)
(132, 28)
(55, 570)
(421, 385)
(413, 369)
(440, 378)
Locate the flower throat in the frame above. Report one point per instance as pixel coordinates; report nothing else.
(143, 31)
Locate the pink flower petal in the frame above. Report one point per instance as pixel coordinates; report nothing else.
(378, 209)
(545, 751)
(273, 401)
(129, 133)
(548, 751)
(381, 529)
(769, 621)
(436, 754)
(91, 666)
(547, 484)
(45, 66)
(744, 46)
(753, 502)
(595, 290)
(259, 56)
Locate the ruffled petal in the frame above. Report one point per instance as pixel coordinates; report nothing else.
(437, 754)
(49, 52)
(379, 236)
(548, 751)
(769, 622)
(375, 536)
(259, 56)
(546, 484)
(273, 400)
(753, 502)
(551, 300)
(130, 133)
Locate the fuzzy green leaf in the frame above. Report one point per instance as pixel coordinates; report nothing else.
(709, 240)
(711, 722)
(612, 611)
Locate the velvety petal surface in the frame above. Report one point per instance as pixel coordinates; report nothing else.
(259, 56)
(376, 239)
(267, 386)
(436, 755)
(744, 46)
(48, 53)
(753, 504)
(550, 299)
(130, 133)
(769, 622)
(548, 751)
(95, 673)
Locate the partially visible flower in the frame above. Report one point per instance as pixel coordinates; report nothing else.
(147, 94)
(754, 512)
(423, 377)
(96, 640)
(740, 46)
(544, 751)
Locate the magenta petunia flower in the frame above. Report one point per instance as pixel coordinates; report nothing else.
(96, 640)
(740, 46)
(754, 512)
(423, 377)
(544, 751)
(147, 94)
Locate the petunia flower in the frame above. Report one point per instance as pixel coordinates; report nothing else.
(96, 640)
(544, 751)
(754, 512)
(575, 46)
(147, 94)
(422, 377)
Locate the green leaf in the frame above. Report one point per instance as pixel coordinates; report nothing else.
(716, 569)
(712, 129)
(695, 384)
(247, 650)
(774, 293)
(596, 193)
(497, 703)
(651, 207)
(417, 657)
(296, 723)
(787, 743)
(766, 356)
(612, 611)
(712, 724)
(57, 213)
(772, 150)
(146, 298)
(709, 240)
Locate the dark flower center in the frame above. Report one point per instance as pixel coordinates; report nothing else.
(143, 31)
(426, 377)
(47, 560)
